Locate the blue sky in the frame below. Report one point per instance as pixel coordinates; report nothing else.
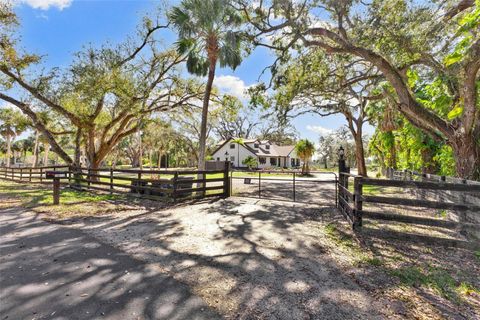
(58, 28)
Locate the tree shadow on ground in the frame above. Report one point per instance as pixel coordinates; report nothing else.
(248, 260)
(53, 272)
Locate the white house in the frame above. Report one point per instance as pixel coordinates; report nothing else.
(268, 154)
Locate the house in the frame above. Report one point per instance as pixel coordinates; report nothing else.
(268, 154)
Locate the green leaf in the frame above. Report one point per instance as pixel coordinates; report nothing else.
(455, 112)
(453, 58)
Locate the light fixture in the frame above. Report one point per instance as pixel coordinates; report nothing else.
(226, 156)
(341, 153)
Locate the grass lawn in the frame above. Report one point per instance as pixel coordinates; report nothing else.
(73, 203)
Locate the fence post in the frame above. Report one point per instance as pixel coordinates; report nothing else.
(341, 178)
(231, 182)
(56, 190)
(294, 197)
(30, 175)
(174, 192)
(111, 180)
(336, 191)
(41, 174)
(226, 180)
(88, 177)
(358, 191)
(21, 174)
(259, 184)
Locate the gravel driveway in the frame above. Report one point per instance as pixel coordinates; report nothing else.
(246, 258)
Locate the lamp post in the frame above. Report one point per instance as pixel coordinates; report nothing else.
(226, 156)
(341, 153)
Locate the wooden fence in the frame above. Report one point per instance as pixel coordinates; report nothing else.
(153, 184)
(351, 201)
(29, 174)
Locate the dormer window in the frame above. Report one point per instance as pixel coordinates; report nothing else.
(267, 147)
(255, 145)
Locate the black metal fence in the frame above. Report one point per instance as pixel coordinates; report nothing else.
(318, 187)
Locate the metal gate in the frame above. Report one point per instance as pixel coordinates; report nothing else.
(318, 188)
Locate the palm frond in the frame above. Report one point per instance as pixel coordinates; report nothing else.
(196, 64)
(185, 45)
(182, 21)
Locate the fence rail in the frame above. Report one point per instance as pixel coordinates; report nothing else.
(29, 174)
(154, 184)
(352, 200)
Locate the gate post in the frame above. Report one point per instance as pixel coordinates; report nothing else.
(294, 196)
(226, 180)
(343, 183)
(259, 184)
(358, 206)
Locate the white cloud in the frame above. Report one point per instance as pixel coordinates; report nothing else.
(45, 4)
(231, 85)
(319, 129)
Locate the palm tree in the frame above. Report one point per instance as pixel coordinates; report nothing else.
(305, 149)
(208, 33)
(12, 124)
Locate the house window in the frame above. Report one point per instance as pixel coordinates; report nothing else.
(273, 161)
(218, 158)
(267, 147)
(262, 160)
(232, 158)
(255, 145)
(232, 145)
(293, 162)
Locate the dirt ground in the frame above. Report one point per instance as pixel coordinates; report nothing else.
(262, 259)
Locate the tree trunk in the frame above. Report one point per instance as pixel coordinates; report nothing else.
(35, 149)
(360, 156)
(203, 125)
(46, 146)
(150, 160)
(95, 165)
(159, 162)
(467, 157)
(9, 150)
